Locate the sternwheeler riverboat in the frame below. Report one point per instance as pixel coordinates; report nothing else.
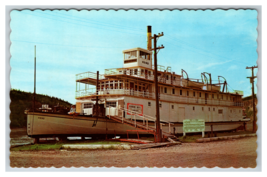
(122, 101)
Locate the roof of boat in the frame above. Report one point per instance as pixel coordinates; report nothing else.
(137, 48)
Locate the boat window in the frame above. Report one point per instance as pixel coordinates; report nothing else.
(194, 94)
(135, 71)
(220, 111)
(160, 105)
(187, 93)
(193, 107)
(173, 91)
(129, 55)
(202, 108)
(130, 61)
(88, 105)
(111, 104)
(212, 95)
(209, 109)
(167, 77)
(149, 103)
(165, 89)
(172, 106)
(199, 94)
(213, 109)
(144, 55)
(174, 78)
(181, 92)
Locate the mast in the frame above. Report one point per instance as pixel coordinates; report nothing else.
(34, 93)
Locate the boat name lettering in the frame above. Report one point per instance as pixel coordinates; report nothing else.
(145, 62)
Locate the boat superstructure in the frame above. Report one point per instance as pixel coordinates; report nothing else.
(128, 94)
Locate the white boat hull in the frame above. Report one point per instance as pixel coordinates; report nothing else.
(41, 124)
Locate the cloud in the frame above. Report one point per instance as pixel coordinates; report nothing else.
(241, 82)
(233, 67)
(212, 64)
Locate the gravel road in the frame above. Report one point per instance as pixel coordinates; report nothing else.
(229, 153)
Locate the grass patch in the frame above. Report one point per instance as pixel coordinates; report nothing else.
(189, 139)
(38, 147)
(193, 138)
(57, 146)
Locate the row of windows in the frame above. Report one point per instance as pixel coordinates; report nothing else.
(194, 93)
(220, 111)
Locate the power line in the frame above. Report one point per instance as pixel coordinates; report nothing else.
(86, 25)
(203, 52)
(43, 43)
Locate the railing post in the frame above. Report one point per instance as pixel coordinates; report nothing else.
(109, 111)
(169, 127)
(122, 116)
(146, 123)
(143, 120)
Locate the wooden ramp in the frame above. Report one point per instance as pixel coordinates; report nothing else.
(144, 127)
(154, 145)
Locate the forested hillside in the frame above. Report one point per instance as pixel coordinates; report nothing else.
(20, 101)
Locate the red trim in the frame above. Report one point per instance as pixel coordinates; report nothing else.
(142, 108)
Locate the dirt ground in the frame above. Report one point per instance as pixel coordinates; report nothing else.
(229, 153)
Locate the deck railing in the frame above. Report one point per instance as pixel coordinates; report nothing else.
(88, 75)
(163, 97)
(119, 112)
(139, 74)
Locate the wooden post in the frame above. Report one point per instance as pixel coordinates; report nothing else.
(109, 111)
(143, 120)
(97, 83)
(156, 86)
(135, 120)
(211, 127)
(122, 116)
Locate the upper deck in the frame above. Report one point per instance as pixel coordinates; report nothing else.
(136, 79)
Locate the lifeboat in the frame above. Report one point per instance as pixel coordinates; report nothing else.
(213, 87)
(195, 84)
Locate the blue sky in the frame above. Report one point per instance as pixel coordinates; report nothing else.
(71, 42)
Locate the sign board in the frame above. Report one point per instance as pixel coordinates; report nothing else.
(194, 125)
(135, 107)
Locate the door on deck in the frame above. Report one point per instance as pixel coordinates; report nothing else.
(181, 113)
(206, 98)
(131, 88)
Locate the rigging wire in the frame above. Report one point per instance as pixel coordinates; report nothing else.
(203, 52)
(43, 43)
(86, 25)
(97, 22)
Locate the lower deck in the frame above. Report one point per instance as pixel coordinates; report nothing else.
(169, 111)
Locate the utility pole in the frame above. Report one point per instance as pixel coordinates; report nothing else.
(253, 99)
(158, 129)
(34, 92)
(97, 83)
